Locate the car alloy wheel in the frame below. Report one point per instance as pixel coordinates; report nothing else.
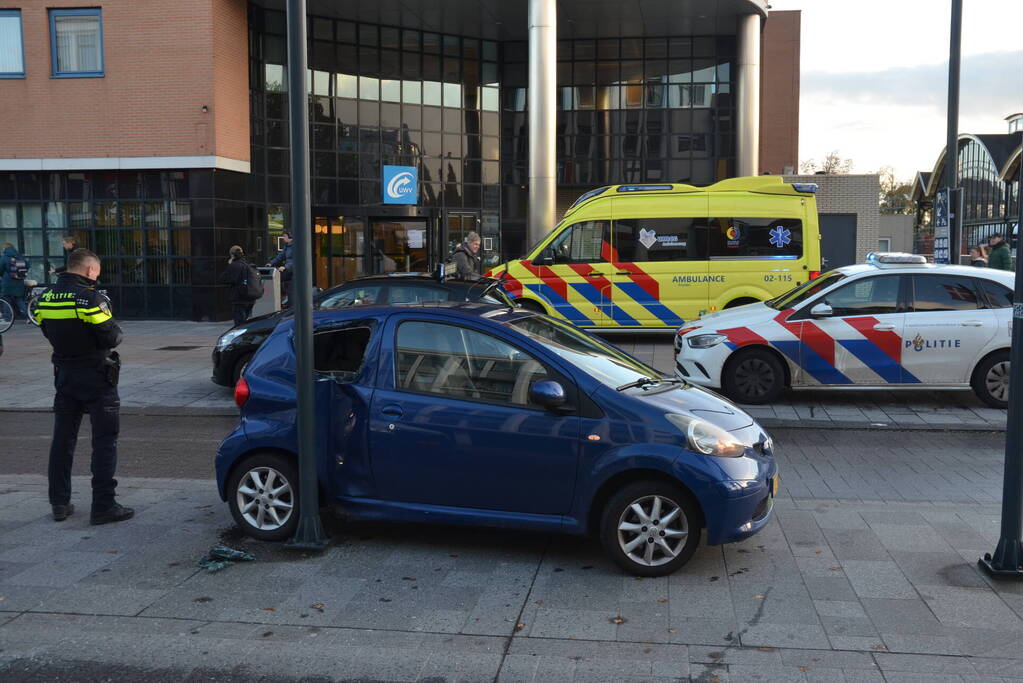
(997, 380)
(652, 530)
(265, 499)
(754, 377)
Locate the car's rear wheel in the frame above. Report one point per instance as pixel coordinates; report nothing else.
(239, 368)
(753, 376)
(991, 380)
(651, 528)
(263, 496)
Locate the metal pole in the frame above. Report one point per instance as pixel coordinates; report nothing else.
(1008, 557)
(543, 28)
(747, 153)
(309, 532)
(951, 142)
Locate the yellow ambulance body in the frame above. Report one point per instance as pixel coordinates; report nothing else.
(652, 256)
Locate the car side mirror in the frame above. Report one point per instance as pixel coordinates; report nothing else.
(546, 258)
(821, 310)
(548, 394)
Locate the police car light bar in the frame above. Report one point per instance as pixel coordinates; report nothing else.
(643, 188)
(896, 258)
(810, 188)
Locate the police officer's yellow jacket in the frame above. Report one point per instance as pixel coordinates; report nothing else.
(77, 320)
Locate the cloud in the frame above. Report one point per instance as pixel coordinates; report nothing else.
(985, 85)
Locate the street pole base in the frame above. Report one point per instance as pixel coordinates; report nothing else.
(309, 536)
(988, 564)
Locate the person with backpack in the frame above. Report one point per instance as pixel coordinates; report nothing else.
(246, 284)
(14, 269)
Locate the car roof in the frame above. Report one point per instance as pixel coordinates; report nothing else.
(1004, 276)
(463, 309)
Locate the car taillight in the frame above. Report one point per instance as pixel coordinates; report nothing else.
(814, 274)
(241, 392)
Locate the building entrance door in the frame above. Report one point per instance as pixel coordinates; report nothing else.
(457, 226)
(398, 245)
(338, 249)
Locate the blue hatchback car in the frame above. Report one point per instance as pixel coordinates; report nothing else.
(482, 415)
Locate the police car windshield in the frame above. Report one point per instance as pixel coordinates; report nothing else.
(795, 297)
(600, 361)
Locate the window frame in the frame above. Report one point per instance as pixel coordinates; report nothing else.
(21, 35)
(346, 376)
(982, 300)
(75, 12)
(903, 297)
(552, 373)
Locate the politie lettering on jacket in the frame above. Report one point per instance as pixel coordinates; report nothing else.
(696, 279)
(57, 296)
(919, 343)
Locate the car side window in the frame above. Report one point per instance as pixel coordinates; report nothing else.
(998, 295)
(356, 295)
(340, 352)
(415, 294)
(868, 296)
(457, 362)
(944, 293)
(581, 243)
(640, 240)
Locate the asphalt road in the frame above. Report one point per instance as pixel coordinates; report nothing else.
(149, 446)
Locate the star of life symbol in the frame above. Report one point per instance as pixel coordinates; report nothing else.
(780, 236)
(647, 237)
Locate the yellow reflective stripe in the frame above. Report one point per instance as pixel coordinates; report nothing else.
(95, 318)
(90, 311)
(50, 304)
(56, 314)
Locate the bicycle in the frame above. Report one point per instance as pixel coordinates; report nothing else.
(32, 303)
(6, 315)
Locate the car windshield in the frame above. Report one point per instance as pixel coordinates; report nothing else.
(599, 360)
(795, 297)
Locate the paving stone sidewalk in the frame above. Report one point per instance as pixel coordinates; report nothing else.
(167, 366)
(829, 591)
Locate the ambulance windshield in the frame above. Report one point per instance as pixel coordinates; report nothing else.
(795, 297)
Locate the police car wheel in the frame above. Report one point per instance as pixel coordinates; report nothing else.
(263, 496)
(991, 380)
(651, 528)
(754, 376)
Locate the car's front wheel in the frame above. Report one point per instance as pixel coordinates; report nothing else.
(991, 380)
(753, 376)
(263, 495)
(651, 528)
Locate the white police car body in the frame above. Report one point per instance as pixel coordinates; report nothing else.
(893, 322)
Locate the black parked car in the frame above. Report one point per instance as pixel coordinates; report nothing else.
(236, 346)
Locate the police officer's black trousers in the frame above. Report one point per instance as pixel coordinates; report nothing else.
(83, 390)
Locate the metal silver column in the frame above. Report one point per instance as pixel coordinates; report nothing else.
(543, 29)
(747, 153)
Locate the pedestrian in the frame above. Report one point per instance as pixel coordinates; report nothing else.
(80, 327)
(284, 262)
(977, 257)
(14, 270)
(468, 265)
(998, 253)
(238, 275)
(70, 243)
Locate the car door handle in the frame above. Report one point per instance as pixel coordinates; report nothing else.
(623, 272)
(392, 411)
(594, 273)
(884, 327)
(972, 323)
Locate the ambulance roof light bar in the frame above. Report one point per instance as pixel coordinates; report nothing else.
(895, 258)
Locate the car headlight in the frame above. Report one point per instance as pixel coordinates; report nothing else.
(707, 438)
(705, 341)
(228, 337)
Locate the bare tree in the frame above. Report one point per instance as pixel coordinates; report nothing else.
(895, 196)
(832, 164)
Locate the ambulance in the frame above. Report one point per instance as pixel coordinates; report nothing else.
(650, 256)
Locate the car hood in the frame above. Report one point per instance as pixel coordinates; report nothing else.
(697, 402)
(740, 316)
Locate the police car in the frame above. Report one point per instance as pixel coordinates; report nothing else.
(893, 322)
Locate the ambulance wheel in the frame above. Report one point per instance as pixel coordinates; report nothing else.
(991, 380)
(263, 496)
(530, 305)
(753, 376)
(741, 301)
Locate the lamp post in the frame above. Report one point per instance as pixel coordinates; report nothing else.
(1007, 559)
(952, 139)
(309, 532)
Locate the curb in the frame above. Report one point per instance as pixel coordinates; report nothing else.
(149, 411)
(778, 423)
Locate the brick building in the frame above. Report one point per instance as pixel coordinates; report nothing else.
(157, 132)
(849, 213)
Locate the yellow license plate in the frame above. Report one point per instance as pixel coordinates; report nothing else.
(774, 485)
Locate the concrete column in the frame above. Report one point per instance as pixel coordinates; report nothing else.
(747, 151)
(543, 23)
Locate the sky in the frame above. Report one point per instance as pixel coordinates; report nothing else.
(874, 77)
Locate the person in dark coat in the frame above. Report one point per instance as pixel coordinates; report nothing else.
(70, 243)
(12, 287)
(998, 253)
(235, 276)
(284, 262)
(468, 265)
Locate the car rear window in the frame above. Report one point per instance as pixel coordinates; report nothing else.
(998, 295)
(944, 293)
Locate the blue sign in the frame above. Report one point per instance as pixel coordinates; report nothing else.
(400, 184)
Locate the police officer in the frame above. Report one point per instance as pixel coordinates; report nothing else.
(77, 321)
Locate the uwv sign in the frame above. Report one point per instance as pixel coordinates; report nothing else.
(400, 184)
